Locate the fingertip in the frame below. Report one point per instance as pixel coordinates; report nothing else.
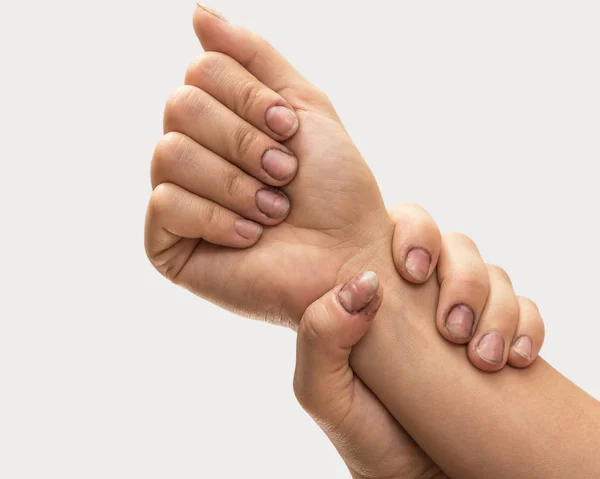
(282, 120)
(488, 352)
(417, 265)
(529, 336)
(248, 232)
(522, 352)
(358, 296)
(341, 317)
(416, 244)
(457, 324)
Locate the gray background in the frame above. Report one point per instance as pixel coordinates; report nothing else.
(486, 113)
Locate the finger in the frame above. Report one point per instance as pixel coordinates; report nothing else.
(251, 51)
(323, 381)
(231, 84)
(489, 348)
(180, 160)
(196, 114)
(464, 288)
(328, 330)
(529, 337)
(175, 213)
(261, 60)
(417, 242)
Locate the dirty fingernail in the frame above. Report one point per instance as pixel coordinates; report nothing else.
(282, 120)
(247, 229)
(417, 263)
(272, 204)
(359, 292)
(279, 165)
(459, 322)
(523, 347)
(491, 348)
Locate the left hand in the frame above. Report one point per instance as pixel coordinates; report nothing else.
(371, 442)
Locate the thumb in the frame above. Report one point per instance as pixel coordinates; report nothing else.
(323, 381)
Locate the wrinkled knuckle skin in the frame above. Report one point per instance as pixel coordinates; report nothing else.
(212, 216)
(234, 184)
(249, 96)
(245, 139)
(181, 106)
(207, 65)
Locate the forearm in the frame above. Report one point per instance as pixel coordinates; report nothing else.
(532, 423)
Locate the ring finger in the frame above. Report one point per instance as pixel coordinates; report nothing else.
(489, 348)
(180, 160)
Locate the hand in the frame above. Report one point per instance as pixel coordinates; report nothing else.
(370, 441)
(216, 176)
(477, 304)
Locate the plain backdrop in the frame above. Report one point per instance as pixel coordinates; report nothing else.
(486, 113)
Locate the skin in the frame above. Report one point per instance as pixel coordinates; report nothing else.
(337, 228)
(368, 438)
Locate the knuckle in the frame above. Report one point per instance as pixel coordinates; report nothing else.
(528, 309)
(526, 304)
(506, 312)
(160, 200)
(245, 138)
(498, 272)
(212, 215)
(207, 65)
(234, 184)
(460, 238)
(468, 283)
(167, 153)
(180, 105)
(261, 42)
(249, 96)
(319, 97)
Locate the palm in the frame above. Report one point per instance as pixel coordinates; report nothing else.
(334, 199)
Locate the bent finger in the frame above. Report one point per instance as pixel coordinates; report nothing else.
(464, 288)
(417, 242)
(328, 330)
(529, 337)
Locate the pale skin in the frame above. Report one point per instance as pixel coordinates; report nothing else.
(470, 424)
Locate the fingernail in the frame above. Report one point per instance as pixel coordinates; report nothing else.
(212, 12)
(359, 292)
(279, 165)
(248, 229)
(491, 348)
(272, 204)
(417, 263)
(282, 120)
(459, 322)
(523, 347)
